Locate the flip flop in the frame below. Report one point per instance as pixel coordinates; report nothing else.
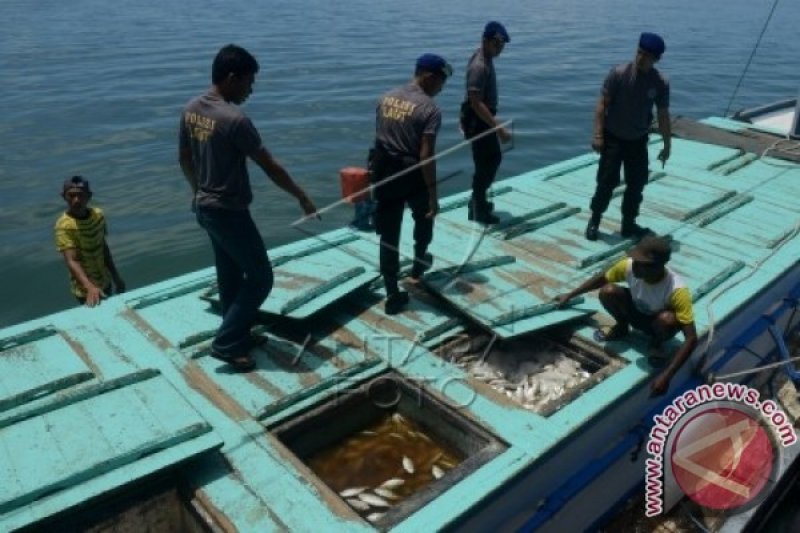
(240, 363)
(614, 333)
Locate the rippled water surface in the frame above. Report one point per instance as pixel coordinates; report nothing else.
(96, 88)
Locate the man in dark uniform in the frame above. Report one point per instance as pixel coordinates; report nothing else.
(216, 138)
(403, 168)
(478, 116)
(622, 119)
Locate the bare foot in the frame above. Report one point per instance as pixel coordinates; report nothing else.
(614, 333)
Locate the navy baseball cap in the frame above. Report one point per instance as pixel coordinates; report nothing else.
(434, 63)
(653, 43)
(494, 30)
(76, 182)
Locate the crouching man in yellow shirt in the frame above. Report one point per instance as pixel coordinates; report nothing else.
(656, 301)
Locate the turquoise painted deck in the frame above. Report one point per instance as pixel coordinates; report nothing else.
(91, 399)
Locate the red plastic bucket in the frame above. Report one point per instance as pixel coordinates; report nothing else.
(355, 184)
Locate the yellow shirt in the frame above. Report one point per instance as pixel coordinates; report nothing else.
(670, 292)
(88, 238)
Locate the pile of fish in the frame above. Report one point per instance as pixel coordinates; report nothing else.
(383, 465)
(534, 376)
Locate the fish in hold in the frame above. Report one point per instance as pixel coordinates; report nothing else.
(352, 491)
(392, 483)
(357, 504)
(408, 465)
(373, 499)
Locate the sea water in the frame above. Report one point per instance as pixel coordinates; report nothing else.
(95, 88)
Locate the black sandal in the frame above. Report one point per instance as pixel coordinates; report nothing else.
(240, 363)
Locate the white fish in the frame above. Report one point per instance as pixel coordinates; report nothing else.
(530, 394)
(392, 483)
(352, 491)
(437, 472)
(386, 493)
(357, 504)
(408, 465)
(374, 517)
(372, 499)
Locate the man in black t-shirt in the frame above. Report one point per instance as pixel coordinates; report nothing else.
(621, 124)
(478, 117)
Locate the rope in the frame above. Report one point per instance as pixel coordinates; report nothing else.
(755, 369)
(752, 54)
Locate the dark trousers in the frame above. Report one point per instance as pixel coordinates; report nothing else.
(486, 155)
(389, 220)
(244, 275)
(616, 152)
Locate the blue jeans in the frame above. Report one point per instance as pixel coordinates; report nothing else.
(244, 275)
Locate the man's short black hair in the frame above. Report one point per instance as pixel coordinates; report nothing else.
(232, 59)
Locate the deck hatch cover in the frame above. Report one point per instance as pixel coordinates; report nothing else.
(37, 363)
(79, 450)
(314, 273)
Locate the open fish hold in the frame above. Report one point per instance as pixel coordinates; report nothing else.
(540, 371)
(350, 443)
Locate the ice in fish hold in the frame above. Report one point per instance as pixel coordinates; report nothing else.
(357, 504)
(437, 472)
(352, 491)
(392, 483)
(372, 499)
(408, 465)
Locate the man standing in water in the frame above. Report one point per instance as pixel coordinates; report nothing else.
(81, 238)
(403, 169)
(478, 117)
(621, 123)
(215, 140)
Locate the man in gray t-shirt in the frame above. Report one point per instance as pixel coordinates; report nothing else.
(622, 121)
(403, 169)
(215, 139)
(478, 117)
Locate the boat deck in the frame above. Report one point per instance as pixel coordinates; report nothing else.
(95, 399)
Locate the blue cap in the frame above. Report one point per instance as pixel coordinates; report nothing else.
(434, 63)
(494, 29)
(653, 43)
